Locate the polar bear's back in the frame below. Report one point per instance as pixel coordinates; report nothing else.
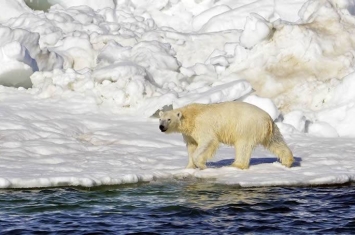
(231, 121)
(236, 109)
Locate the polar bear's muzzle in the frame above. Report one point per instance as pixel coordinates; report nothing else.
(162, 128)
(163, 125)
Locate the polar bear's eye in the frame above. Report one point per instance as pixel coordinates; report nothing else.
(169, 120)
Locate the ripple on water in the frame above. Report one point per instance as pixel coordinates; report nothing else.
(173, 207)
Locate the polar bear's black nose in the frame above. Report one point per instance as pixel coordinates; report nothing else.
(161, 127)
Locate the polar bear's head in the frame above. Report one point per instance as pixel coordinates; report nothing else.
(169, 121)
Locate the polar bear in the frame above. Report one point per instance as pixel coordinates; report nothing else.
(239, 124)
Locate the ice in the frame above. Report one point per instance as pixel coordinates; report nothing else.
(81, 83)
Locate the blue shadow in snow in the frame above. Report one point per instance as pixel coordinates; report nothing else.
(253, 162)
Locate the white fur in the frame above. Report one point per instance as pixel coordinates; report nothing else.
(238, 124)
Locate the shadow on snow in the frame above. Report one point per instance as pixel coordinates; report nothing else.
(253, 162)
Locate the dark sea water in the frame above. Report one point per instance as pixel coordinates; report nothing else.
(179, 207)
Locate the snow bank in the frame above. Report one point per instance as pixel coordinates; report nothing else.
(85, 36)
(210, 16)
(340, 111)
(297, 65)
(322, 129)
(11, 9)
(95, 5)
(17, 65)
(202, 18)
(118, 45)
(256, 30)
(194, 49)
(287, 10)
(266, 104)
(20, 56)
(127, 88)
(236, 18)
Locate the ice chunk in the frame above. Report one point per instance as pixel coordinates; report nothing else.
(256, 29)
(322, 129)
(265, 104)
(296, 119)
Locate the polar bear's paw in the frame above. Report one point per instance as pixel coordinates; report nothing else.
(240, 165)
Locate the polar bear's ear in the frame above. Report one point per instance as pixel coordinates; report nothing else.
(179, 115)
(160, 113)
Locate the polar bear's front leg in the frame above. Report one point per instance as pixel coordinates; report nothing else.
(204, 151)
(191, 149)
(198, 158)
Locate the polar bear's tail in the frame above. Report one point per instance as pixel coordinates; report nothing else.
(278, 146)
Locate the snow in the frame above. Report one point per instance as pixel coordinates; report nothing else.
(95, 5)
(296, 119)
(256, 30)
(236, 18)
(202, 18)
(13, 9)
(81, 84)
(266, 104)
(73, 142)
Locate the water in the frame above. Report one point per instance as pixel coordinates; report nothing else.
(39, 5)
(179, 207)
